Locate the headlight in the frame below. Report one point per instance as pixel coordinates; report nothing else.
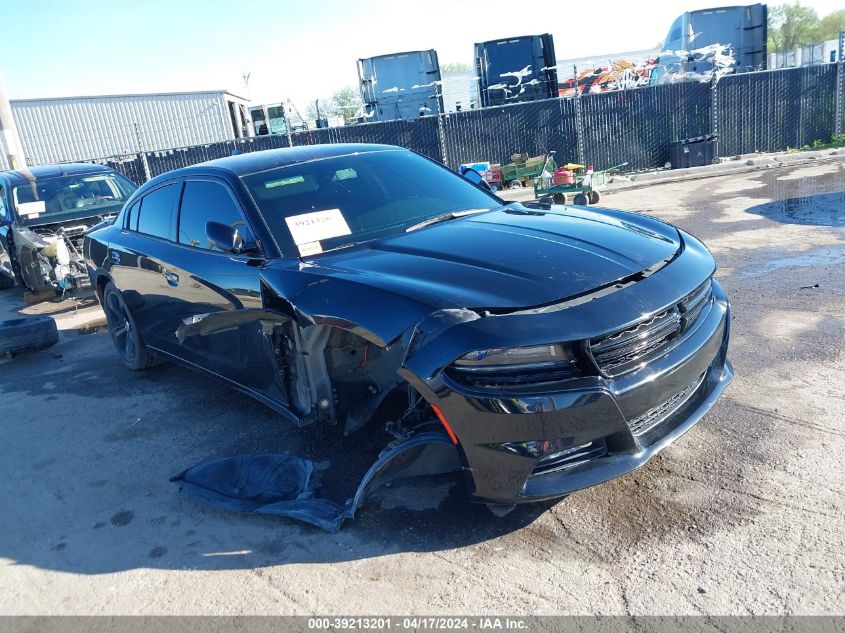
(535, 355)
(516, 366)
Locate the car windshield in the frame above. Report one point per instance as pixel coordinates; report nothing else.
(325, 204)
(48, 199)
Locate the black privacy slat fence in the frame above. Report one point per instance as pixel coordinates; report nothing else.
(776, 110)
(637, 126)
(751, 112)
(419, 135)
(494, 134)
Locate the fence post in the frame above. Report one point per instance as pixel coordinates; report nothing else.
(441, 129)
(145, 165)
(840, 84)
(579, 120)
(714, 110)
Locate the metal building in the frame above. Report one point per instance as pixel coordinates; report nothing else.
(81, 128)
(818, 53)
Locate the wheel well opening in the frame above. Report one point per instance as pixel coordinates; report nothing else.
(102, 280)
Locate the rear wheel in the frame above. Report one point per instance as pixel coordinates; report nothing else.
(593, 197)
(514, 184)
(580, 199)
(124, 333)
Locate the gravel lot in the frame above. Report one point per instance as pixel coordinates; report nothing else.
(743, 515)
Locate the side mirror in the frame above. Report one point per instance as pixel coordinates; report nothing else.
(475, 178)
(228, 238)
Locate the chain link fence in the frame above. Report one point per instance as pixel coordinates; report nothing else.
(494, 134)
(637, 126)
(751, 112)
(776, 110)
(840, 85)
(420, 135)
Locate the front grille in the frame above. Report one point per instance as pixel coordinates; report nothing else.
(654, 416)
(693, 304)
(627, 349)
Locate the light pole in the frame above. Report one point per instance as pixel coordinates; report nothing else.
(246, 75)
(11, 150)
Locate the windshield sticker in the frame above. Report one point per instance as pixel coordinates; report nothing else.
(292, 180)
(316, 226)
(32, 209)
(345, 174)
(311, 248)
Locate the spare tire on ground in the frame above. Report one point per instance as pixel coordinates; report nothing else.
(28, 334)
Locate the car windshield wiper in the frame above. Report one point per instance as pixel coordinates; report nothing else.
(346, 245)
(445, 217)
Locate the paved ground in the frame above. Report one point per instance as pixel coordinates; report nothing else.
(742, 515)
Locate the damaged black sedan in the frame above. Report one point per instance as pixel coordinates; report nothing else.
(547, 348)
(44, 213)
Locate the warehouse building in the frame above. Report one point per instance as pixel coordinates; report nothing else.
(819, 53)
(83, 128)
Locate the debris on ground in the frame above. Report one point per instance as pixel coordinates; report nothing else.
(289, 486)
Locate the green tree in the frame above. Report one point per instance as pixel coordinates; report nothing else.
(320, 108)
(831, 25)
(347, 103)
(792, 26)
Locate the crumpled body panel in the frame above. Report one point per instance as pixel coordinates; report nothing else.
(288, 486)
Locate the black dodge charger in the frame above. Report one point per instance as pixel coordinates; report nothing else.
(538, 348)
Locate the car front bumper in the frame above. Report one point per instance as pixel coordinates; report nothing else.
(676, 389)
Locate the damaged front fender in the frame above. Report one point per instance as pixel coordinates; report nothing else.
(358, 308)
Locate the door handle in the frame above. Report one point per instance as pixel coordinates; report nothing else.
(172, 278)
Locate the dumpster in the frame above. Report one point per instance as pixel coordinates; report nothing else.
(693, 152)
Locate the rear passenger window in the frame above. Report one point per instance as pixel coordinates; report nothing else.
(156, 215)
(207, 201)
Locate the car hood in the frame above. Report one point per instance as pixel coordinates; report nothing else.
(508, 258)
(75, 217)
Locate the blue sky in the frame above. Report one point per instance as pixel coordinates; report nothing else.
(298, 50)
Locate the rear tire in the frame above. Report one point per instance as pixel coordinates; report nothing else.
(593, 197)
(124, 332)
(580, 199)
(28, 334)
(514, 184)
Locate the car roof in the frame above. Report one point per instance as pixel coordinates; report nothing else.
(40, 172)
(252, 162)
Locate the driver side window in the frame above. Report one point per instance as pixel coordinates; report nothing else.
(206, 201)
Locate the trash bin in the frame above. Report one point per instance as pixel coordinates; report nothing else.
(693, 152)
